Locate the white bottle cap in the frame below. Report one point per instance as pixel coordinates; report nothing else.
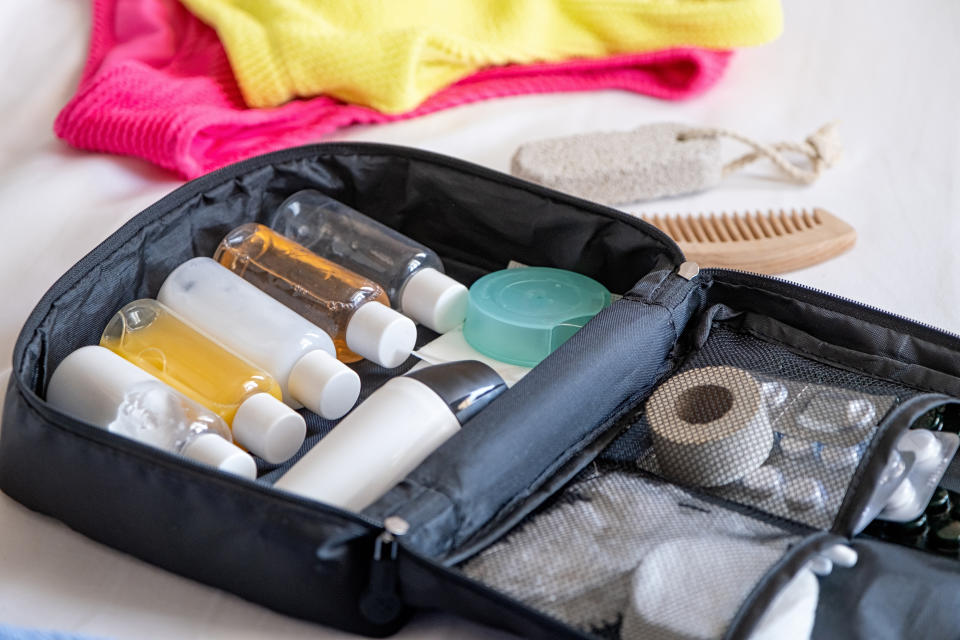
(435, 300)
(211, 449)
(268, 428)
(378, 333)
(323, 384)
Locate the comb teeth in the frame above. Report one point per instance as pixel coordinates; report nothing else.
(735, 227)
(762, 242)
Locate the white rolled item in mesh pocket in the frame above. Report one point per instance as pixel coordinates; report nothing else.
(709, 426)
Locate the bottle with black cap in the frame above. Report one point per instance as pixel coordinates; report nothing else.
(392, 432)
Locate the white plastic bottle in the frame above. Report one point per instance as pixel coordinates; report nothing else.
(411, 273)
(392, 432)
(299, 354)
(97, 386)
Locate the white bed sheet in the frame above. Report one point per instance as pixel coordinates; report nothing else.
(887, 72)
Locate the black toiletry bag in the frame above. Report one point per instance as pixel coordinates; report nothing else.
(545, 515)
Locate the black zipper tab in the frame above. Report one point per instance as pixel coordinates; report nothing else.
(381, 602)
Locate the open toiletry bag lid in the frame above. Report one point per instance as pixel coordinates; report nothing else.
(550, 514)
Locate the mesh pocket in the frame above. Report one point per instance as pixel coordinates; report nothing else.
(624, 555)
(754, 423)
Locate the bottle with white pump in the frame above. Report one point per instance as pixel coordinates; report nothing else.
(392, 432)
(351, 308)
(411, 273)
(159, 341)
(97, 386)
(296, 352)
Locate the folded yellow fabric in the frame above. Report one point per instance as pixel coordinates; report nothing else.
(392, 54)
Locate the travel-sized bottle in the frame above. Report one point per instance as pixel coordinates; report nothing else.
(97, 386)
(352, 309)
(297, 353)
(391, 432)
(157, 340)
(411, 273)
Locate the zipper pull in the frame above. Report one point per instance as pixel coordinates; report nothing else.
(380, 602)
(688, 270)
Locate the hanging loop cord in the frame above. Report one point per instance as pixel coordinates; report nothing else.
(822, 150)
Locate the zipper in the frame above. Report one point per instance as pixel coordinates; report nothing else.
(380, 602)
(783, 285)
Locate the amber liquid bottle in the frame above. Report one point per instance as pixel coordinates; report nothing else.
(157, 340)
(353, 310)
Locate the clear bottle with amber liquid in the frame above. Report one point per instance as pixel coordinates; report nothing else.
(160, 342)
(352, 309)
(411, 273)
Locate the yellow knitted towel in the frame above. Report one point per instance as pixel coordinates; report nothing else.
(393, 54)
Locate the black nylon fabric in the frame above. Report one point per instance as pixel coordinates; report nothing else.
(189, 520)
(476, 224)
(312, 561)
(889, 347)
(533, 427)
(893, 593)
(297, 557)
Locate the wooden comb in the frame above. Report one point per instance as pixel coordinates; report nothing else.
(771, 242)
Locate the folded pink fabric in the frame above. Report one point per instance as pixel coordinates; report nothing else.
(157, 85)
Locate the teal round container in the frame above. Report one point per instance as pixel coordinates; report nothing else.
(522, 315)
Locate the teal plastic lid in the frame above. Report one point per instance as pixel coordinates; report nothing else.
(522, 315)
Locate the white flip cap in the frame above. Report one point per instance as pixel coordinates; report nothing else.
(324, 385)
(435, 300)
(268, 428)
(380, 334)
(211, 449)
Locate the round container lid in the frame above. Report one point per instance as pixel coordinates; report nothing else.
(522, 315)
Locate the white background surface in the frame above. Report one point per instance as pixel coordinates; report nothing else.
(888, 71)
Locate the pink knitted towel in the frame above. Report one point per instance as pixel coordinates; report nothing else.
(157, 85)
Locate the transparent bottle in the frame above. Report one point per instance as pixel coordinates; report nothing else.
(157, 340)
(97, 386)
(296, 352)
(352, 309)
(410, 273)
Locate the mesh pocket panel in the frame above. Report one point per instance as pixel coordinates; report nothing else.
(624, 555)
(796, 428)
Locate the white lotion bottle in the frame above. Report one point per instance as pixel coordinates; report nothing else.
(95, 385)
(299, 354)
(391, 432)
(411, 273)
